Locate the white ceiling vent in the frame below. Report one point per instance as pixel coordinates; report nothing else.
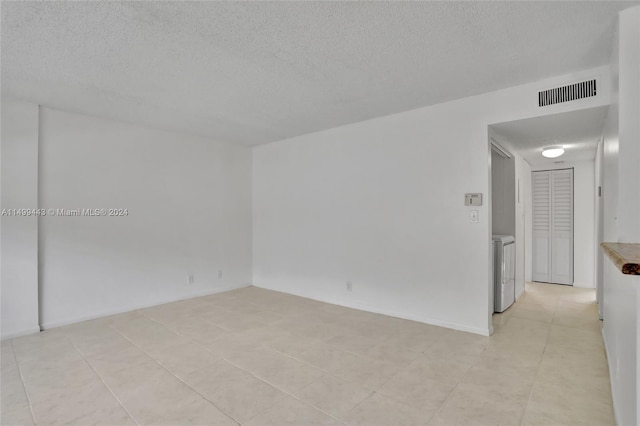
(571, 92)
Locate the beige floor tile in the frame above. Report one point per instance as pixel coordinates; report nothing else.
(233, 321)
(358, 345)
(559, 363)
(345, 314)
(426, 383)
(379, 410)
(50, 349)
(533, 311)
(232, 343)
(43, 381)
(189, 361)
(579, 339)
(149, 335)
(107, 416)
(333, 395)
(391, 351)
(78, 405)
(129, 380)
(111, 362)
(100, 343)
(551, 403)
(155, 398)
(293, 345)
(198, 412)
(574, 319)
(12, 393)
(416, 340)
(367, 372)
(589, 309)
(7, 358)
(591, 361)
(535, 331)
(479, 405)
(503, 378)
(276, 369)
(327, 357)
(514, 350)
(266, 316)
(458, 345)
(564, 379)
(323, 331)
(448, 371)
(237, 393)
(291, 412)
(20, 415)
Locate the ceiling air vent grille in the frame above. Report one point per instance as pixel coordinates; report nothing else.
(585, 89)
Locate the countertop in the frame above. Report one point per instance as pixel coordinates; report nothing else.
(625, 256)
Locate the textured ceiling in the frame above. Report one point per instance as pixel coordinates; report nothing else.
(577, 131)
(255, 72)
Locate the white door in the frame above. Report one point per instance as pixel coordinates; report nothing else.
(553, 226)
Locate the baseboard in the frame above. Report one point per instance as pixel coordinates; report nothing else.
(61, 323)
(391, 313)
(21, 333)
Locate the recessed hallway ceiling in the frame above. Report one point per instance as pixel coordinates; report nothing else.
(577, 131)
(256, 72)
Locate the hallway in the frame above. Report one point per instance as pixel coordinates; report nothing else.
(555, 330)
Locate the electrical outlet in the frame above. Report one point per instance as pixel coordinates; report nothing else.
(219, 273)
(349, 286)
(191, 279)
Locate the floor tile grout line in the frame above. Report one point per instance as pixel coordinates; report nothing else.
(104, 383)
(263, 345)
(24, 384)
(242, 369)
(283, 391)
(376, 391)
(452, 392)
(174, 375)
(535, 380)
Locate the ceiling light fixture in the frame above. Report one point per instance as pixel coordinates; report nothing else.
(553, 151)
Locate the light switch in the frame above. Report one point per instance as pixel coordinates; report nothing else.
(474, 216)
(474, 199)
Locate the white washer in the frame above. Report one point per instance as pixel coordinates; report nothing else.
(504, 293)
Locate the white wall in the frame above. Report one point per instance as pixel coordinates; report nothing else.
(621, 175)
(381, 204)
(584, 239)
(19, 234)
(189, 211)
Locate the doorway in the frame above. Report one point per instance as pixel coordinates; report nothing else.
(552, 193)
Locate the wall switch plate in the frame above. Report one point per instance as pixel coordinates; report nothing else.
(474, 216)
(473, 199)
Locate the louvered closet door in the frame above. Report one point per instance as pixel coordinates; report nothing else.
(562, 226)
(541, 187)
(553, 226)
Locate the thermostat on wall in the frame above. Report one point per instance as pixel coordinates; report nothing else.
(473, 199)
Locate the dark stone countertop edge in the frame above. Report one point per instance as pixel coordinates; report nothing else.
(626, 256)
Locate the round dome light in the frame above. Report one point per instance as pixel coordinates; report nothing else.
(552, 151)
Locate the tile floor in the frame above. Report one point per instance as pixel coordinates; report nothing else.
(257, 357)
